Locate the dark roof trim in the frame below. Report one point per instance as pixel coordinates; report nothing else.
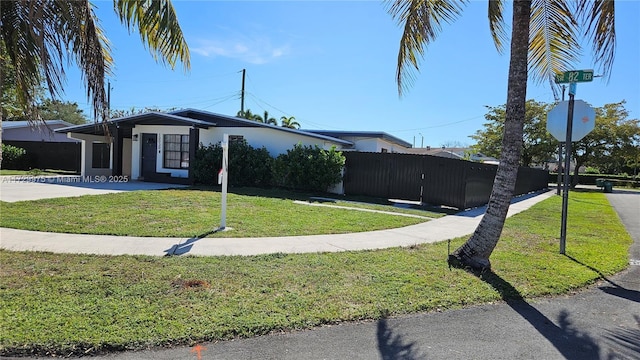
(364, 134)
(149, 118)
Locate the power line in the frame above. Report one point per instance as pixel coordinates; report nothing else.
(440, 125)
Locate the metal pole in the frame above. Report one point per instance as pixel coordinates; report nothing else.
(567, 165)
(559, 181)
(225, 180)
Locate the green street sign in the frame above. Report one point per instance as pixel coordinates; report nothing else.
(574, 76)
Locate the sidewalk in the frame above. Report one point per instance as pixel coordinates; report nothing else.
(444, 228)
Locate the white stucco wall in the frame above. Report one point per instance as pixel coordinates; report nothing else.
(277, 142)
(367, 144)
(86, 157)
(136, 149)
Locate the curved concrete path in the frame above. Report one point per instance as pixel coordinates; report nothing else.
(444, 228)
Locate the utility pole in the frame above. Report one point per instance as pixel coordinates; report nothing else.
(244, 71)
(108, 99)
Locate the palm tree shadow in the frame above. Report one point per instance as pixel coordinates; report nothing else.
(568, 340)
(393, 346)
(625, 341)
(615, 289)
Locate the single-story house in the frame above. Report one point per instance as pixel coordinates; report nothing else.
(157, 146)
(369, 141)
(46, 148)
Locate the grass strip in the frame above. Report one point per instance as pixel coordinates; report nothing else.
(64, 304)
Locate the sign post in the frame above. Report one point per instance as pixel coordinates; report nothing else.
(587, 118)
(225, 180)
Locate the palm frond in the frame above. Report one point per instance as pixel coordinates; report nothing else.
(40, 35)
(159, 29)
(553, 39)
(496, 24)
(422, 21)
(598, 18)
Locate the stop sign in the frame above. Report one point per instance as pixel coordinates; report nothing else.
(584, 119)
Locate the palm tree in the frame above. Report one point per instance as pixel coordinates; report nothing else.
(290, 122)
(39, 36)
(247, 114)
(544, 37)
(269, 120)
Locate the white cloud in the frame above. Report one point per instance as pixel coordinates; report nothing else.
(258, 50)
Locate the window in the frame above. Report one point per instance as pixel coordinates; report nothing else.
(383, 150)
(176, 151)
(236, 138)
(101, 155)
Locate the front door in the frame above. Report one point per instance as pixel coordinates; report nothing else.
(149, 155)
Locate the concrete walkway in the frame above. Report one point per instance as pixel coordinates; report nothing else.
(444, 228)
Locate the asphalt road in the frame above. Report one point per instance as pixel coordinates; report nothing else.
(602, 322)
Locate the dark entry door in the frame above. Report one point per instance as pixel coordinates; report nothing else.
(149, 155)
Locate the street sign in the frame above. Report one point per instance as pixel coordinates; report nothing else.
(584, 119)
(574, 76)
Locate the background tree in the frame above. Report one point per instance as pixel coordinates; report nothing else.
(612, 143)
(247, 114)
(58, 110)
(538, 146)
(289, 122)
(269, 119)
(544, 37)
(118, 113)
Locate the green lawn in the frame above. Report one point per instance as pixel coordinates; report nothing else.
(36, 172)
(185, 213)
(82, 304)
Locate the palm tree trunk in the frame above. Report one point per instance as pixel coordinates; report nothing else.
(476, 250)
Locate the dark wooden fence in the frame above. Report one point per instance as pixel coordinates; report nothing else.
(49, 155)
(430, 179)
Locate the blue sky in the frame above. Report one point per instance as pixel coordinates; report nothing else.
(332, 64)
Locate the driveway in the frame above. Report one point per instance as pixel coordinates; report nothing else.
(24, 188)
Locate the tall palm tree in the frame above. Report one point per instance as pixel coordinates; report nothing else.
(39, 36)
(545, 37)
(289, 122)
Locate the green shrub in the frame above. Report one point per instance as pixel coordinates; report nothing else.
(13, 157)
(309, 168)
(247, 166)
(591, 170)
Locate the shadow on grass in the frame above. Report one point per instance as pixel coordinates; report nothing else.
(569, 341)
(615, 289)
(393, 346)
